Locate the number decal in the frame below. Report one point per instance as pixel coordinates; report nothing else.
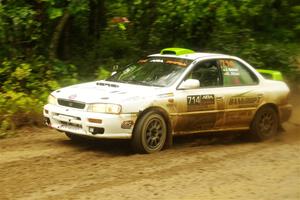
(206, 99)
(193, 100)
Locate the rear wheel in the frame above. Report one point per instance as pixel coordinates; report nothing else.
(150, 133)
(265, 124)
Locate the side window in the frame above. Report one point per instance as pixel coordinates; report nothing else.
(207, 73)
(235, 73)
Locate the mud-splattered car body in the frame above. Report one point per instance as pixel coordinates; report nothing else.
(174, 92)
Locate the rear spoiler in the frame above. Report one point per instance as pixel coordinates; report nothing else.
(271, 74)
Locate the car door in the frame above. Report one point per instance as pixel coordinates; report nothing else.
(200, 109)
(241, 93)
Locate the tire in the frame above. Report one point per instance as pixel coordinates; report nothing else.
(150, 133)
(265, 124)
(74, 137)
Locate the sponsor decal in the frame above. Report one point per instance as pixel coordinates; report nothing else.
(243, 100)
(170, 61)
(107, 84)
(165, 95)
(226, 63)
(176, 63)
(72, 97)
(231, 72)
(228, 67)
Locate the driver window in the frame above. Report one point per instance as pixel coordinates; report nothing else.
(207, 73)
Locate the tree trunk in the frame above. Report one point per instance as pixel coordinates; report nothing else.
(97, 19)
(53, 48)
(64, 44)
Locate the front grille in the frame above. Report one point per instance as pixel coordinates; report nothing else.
(72, 104)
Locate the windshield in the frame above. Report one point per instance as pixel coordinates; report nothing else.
(154, 71)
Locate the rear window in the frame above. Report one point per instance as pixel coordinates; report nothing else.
(236, 74)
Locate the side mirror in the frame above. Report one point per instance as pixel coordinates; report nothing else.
(115, 70)
(113, 73)
(190, 84)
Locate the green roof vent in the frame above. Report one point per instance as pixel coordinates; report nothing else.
(176, 51)
(271, 74)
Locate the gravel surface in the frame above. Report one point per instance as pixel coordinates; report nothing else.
(45, 164)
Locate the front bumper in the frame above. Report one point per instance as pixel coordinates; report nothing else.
(77, 121)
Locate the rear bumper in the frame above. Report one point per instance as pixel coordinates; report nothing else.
(285, 112)
(77, 121)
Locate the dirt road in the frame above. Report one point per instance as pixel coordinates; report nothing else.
(44, 164)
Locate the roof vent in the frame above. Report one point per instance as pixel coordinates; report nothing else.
(176, 51)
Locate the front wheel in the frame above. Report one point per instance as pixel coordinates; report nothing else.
(150, 133)
(265, 124)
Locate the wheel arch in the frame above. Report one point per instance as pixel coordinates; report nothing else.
(164, 114)
(272, 105)
(256, 132)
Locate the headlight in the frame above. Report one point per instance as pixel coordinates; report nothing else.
(52, 100)
(104, 108)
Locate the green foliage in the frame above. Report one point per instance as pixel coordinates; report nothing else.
(55, 12)
(87, 34)
(25, 87)
(116, 43)
(103, 73)
(18, 28)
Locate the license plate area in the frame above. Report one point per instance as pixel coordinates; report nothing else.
(70, 126)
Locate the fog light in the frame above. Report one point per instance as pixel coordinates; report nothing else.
(96, 130)
(98, 121)
(47, 121)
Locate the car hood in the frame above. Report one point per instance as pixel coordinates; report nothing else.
(106, 92)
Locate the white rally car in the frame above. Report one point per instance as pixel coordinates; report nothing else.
(174, 92)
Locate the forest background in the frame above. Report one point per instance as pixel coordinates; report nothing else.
(47, 44)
